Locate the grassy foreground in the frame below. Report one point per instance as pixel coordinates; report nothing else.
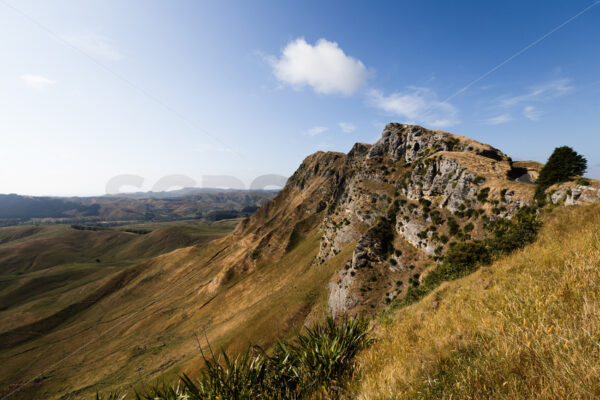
(313, 365)
(528, 326)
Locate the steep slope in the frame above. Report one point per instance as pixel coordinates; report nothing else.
(526, 327)
(346, 235)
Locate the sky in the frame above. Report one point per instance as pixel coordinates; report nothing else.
(183, 93)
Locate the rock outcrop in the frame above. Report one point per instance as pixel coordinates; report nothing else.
(571, 193)
(421, 189)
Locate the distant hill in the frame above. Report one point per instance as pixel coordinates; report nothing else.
(210, 204)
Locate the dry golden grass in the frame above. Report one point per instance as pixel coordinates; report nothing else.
(526, 327)
(530, 165)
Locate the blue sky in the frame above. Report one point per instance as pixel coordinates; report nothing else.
(90, 90)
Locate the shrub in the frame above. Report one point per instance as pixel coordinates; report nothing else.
(436, 218)
(424, 202)
(582, 182)
(468, 228)
(483, 194)
(452, 143)
(453, 226)
(414, 280)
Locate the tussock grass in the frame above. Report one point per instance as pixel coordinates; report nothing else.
(528, 326)
(314, 365)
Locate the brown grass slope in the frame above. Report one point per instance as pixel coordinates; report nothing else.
(27, 248)
(526, 327)
(264, 280)
(247, 287)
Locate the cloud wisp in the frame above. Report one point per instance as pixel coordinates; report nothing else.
(543, 92)
(417, 105)
(523, 103)
(316, 130)
(347, 127)
(532, 113)
(323, 66)
(95, 45)
(37, 82)
(500, 119)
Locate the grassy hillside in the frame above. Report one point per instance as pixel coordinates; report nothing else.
(145, 341)
(49, 274)
(526, 327)
(32, 248)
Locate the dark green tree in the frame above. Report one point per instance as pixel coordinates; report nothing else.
(561, 166)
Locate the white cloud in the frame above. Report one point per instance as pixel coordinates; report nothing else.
(316, 130)
(347, 127)
(532, 113)
(95, 45)
(500, 119)
(544, 92)
(419, 105)
(37, 81)
(324, 67)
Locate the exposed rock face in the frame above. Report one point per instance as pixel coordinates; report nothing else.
(571, 194)
(397, 205)
(438, 186)
(442, 176)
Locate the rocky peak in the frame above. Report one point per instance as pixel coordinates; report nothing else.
(389, 210)
(318, 165)
(411, 142)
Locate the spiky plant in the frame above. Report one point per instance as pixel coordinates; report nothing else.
(313, 364)
(165, 392)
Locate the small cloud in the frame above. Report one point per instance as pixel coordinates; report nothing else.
(315, 130)
(95, 45)
(418, 105)
(543, 92)
(532, 113)
(347, 127)
(500, 119)
(325, 146)
(324, 67)
(37, 81)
